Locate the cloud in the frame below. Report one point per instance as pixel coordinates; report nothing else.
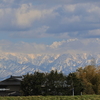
(57, 44)
(36, 33)
(6, 1)
(27, 15)
(71, 20)
(94, 33)
(70, 7)
(59, 19)
(80, 19)
(56, 21)
(73, 46)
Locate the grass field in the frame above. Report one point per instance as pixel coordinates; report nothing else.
(85, 97)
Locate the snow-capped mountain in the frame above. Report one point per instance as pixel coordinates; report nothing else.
(20, 64)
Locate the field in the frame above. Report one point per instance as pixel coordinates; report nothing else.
(85, 97)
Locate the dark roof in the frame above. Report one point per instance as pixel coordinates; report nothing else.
(13, 80)
(16, 77)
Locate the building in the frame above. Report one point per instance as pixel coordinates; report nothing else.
(10, 86)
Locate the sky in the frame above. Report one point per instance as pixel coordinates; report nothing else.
(49, 26)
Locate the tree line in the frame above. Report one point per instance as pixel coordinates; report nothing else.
(83, 81)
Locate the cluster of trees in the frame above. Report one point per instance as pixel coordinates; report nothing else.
(52, 83)
(91, 78)
(85, 80)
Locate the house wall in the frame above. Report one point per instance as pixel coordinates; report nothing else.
(13, 88)
(10, 90)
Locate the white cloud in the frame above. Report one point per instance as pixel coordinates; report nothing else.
(36, 33)
(72, 19)
(59, 19)
(68, 46)
(94, 32)
(27, 14)
(10, 1)
(94, 8)
(69, 8)
(57, 44)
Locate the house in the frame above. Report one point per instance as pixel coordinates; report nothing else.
(10, 86)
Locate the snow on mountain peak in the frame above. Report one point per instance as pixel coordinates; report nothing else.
(65, 56)
(19, 64)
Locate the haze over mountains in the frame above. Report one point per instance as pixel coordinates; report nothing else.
(74, 57)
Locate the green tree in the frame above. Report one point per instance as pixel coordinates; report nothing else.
(55, 83)
(26, 87)
(74, 84)
(32, 84)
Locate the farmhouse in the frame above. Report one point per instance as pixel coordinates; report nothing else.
(10, 86)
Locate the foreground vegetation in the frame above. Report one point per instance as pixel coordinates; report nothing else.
(84, 97)
(52, 83)
(85, 80)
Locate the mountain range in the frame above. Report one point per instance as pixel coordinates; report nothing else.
(21, 64)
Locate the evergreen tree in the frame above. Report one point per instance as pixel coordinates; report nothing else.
(32, 83)
(74, 84)
(26, 84)
(55, 83)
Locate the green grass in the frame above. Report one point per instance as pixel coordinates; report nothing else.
(84, 97)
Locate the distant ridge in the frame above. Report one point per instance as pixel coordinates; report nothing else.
(14, 64)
